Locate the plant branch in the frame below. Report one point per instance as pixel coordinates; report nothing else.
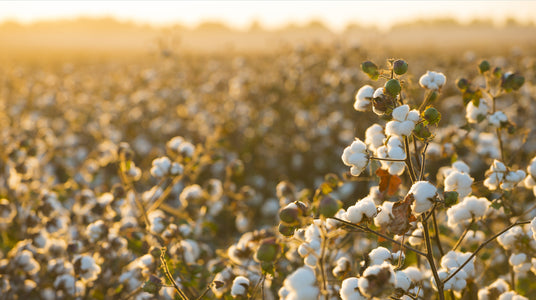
(169, 276)
(409, 165)
(436, 229)
(366, 229)
(463, 235)
(484, 245)
(430, 258)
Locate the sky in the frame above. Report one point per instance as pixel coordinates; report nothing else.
(271, 14)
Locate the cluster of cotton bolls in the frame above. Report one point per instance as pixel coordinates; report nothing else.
(520, 242)
(450, 263)
(469, 208)
(457, 178)
(499, 289)
(499, 176)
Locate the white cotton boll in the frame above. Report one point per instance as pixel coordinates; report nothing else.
(488, 145)
(498, 285)
(157, 221)
(310, 260)
(402, 281)
(531, 168)
(416, 237)
(190, 193)
(520, 263)
(343, 265)
(385, 216)
(474, 237)
(511, 295)
(400, 113)
(240, 286)
(176, 169)
(459, 182)
(497, 118)
(356, 157)
(190, 250)
(378, 93)
(474, 114)
(27, 263)
(363, 98)
(413, 273)
(424, 193)
(88, 268)
(374, 137)
(371, 286)
(508, 239)
(365, 208)
(349, 289)
(432, 80)
(302, 277)
(461, 166)
(403, 121)
(96, 231)
(379, 255)
(160, 167)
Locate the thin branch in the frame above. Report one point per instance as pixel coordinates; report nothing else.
(387, 159)
(482, 246)
(463, 235)
(409, 165)
(169, 276)
(436, 229)
(366, 229)
(430, 258)
(259, 283)
(423, 153)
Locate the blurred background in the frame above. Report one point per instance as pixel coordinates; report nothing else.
(40, 30)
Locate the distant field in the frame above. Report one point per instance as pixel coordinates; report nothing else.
(97, 39)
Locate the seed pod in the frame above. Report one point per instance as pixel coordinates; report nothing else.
(400, 67)
(392, 87)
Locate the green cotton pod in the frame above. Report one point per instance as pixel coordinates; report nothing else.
(400, 67)
(392, 87)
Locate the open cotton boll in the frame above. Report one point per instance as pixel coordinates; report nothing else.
(356, 157)
(349, 289)
(385, 216)
(395, 150)
(511, 295)
(300, 285)
(470, 207)
(379, 255)
(413, 273)
(365, 208)
(459, 182)
(417, 237)
(374, 137)
(432, 80)
(363, 98)
(403, 121)
(488, 145)
(424, 193)
(240, 287)
(377, 281)
(508, 239)
(402, 281)
(497, 119)
(474, 113)
(520, 263)
(498, 286)
(343, 265)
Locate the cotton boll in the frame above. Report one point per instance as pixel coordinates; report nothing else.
(374, 137)
(488, 145)
(364, 208)
(363, 98)
(413, 273)
(511, 295)
(476, 113)
(499, 286)
(403, 121)
(416, 237)
(356, 157)
(459, 182)
(424, 193)
(432, 80)
(520, 263)
(379, 255)
(385, 216)
(402, 281)
(240, 287)
(497, 119)
(343, 266)
(349, 289)
(377, 280)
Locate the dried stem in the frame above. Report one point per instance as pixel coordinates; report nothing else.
(387, 159)
(409, 165)
(436, 229)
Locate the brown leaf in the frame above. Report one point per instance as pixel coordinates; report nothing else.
(388, 182)
(401, 216)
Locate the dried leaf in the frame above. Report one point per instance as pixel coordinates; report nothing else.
(401, 216)
(388, 182)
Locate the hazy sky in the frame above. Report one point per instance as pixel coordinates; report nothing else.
(336, 14)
